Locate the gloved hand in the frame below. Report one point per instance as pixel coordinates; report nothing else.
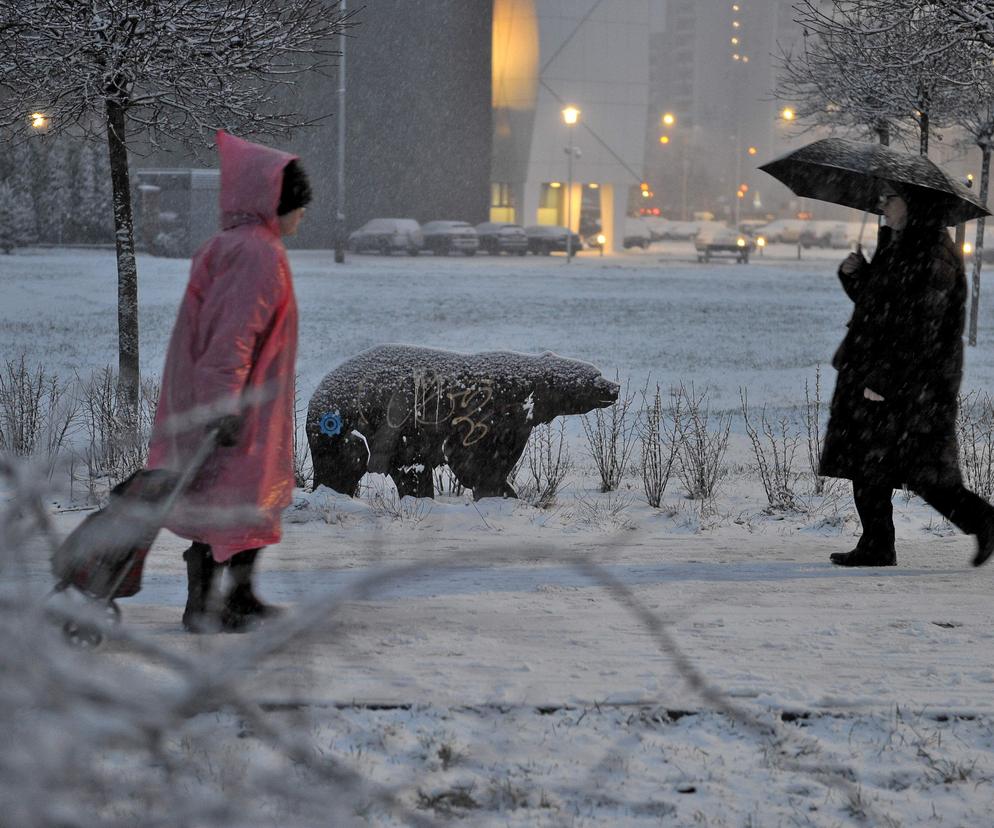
(229, 428)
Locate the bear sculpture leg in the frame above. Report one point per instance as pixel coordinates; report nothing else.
(414, 480)
(339, 462)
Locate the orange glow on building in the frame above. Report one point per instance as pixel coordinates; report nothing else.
(515, 54)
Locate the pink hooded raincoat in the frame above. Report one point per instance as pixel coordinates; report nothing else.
(233, 350)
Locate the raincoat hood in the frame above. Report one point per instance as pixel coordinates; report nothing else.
(251, 180)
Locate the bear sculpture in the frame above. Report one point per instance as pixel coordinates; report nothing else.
(403, 411)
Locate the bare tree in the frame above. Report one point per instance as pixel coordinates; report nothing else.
(155, 69)
(876, 63)
(825, 79)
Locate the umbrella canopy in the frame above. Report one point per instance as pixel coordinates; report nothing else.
(853, 173)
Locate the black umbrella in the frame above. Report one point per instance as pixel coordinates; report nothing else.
(853, 173)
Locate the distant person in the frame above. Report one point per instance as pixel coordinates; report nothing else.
(230, 366)
(893, 413)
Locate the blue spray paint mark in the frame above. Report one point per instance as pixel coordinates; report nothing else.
(331, 424)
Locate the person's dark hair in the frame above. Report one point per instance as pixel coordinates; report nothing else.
(296, 189)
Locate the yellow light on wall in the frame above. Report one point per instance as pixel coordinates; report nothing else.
(555, 185)
(571, 115)
(593, 186)
(664, 139)
(735, 24)
(735, 41)
(752, 150)
(669, 119)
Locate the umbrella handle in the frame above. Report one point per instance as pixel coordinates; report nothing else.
(862, 227)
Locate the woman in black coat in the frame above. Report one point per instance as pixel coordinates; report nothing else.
(893, 413)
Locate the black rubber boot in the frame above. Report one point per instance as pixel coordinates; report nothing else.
(200, 570)
(865, 557)
(242, 610)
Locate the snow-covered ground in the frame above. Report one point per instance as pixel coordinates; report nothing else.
(494, 678)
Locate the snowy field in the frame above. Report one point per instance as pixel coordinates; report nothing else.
(597, 663)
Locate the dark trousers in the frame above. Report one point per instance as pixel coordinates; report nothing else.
(961, 507)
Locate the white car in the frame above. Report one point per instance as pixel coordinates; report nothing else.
(386, 236)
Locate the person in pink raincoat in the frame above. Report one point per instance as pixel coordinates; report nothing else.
(230, 367)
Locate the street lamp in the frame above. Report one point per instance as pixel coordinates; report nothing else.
(669, 119)
(788, 114)
(39, 121)
(570, 117)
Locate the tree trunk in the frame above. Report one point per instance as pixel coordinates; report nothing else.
(923, 122)
(978, 248)
(883, 132)
(127, 269)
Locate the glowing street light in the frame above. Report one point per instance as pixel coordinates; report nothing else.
(664, 139)
(571, 115)
(39, 120)
(788, 114)
(669, 119)
(752, 150)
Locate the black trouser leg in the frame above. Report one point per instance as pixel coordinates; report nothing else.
(200, 570)
(966, 510)
(961, 507)
(876, 513)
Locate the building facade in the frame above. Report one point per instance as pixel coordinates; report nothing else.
(549, 55)
(453, 111)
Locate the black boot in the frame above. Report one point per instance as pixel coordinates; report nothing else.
(242, 610)
(985, 544)
(865, 557)
(200, 569)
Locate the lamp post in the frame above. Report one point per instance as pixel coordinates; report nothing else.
(570, 116)
(340, 208)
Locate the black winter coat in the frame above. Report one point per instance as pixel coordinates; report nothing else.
(905, 341)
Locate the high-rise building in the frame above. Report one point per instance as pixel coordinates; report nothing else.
(713, 73)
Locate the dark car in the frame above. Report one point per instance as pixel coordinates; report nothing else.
(386, 235)
(543, 239)
(496, 237)
(444, 237)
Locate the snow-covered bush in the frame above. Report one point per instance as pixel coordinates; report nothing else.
(975, 433)
(774, 445)
(657, 436)
(38, 412)
(703, 440)
(611, 433)
(544, 465)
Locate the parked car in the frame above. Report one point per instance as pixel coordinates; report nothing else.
(786, 231)
(545, 238)
(444, 237)
(723, 241)
(825, 234)
(637, 234)
(497, 237)
(386, 236)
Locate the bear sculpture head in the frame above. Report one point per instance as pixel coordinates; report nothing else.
(571, 386)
